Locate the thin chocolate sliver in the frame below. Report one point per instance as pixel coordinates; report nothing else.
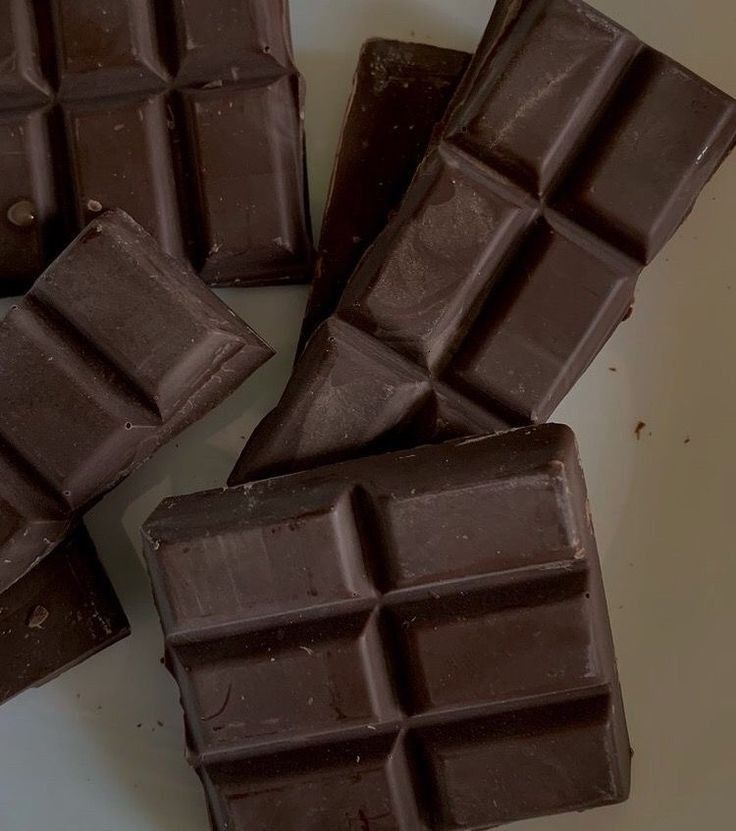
(570, 155)
(411, 641)
(61, 613)
(187, 114)
(116, 348)
(400, 92)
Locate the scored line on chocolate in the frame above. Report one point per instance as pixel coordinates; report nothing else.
(561, 169)
(528, 214)
(339, 609)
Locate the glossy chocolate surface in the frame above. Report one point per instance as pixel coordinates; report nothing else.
(187, 114)
(115, 349)
(61, 613)
(412, 641)
(569, 156)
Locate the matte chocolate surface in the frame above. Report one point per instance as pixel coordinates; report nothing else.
(62, 612)
(411, 641)
(569, 156)
(115, 349)
(187, 114)
(400, 92)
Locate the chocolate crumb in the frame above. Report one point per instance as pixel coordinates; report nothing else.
(638, 430)
(38, 617)
(22, 213)
(612, 369)
(687, 440)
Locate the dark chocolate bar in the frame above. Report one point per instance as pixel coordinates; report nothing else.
(569, 156)
(115, 349)
(61, 613)
(400, 92)
(187, 114)
(411, 641)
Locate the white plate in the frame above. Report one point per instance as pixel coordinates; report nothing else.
(72, 757)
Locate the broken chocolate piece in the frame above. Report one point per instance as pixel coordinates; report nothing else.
(115, 349)
(61, 613)
(187, 114)
(420, 637)
(569, 156)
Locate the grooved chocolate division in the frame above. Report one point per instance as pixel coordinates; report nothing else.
(61, 613)
(184, 113)
(570, 154)
(91, 387)
(419, 638)
(400, 92)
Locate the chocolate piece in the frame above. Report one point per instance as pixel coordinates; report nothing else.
(419, 639)
(61, 613)
(570, 154)
(187, 114)
(400, 92)
(115, 349)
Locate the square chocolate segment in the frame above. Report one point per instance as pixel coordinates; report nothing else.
(569, 155)
(492, 644)
(330, 674)
(565, 750)
(137, 133)
(451, 667)
(520, 356)
(351, 786)
(243, 195)
(245, 39)
(22, 81)
(102, 48)
(29, 205)
(626, 191)
(324, 563)
(115, 134)
(446, 252)
(527, 116)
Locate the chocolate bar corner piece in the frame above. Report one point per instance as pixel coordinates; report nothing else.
(569, 155)
(116, 348)
(400, 92)
(62, 612)
(186, 114)
(415, 640)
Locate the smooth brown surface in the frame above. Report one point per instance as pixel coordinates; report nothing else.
(411, 641)
(61, 613)
(115, 349)
(187, 114)
(571, 153)
(400, 92)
